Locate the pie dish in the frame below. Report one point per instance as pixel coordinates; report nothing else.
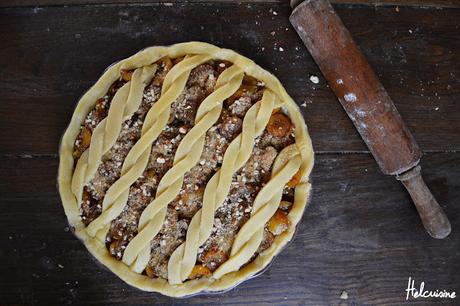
(185, 168)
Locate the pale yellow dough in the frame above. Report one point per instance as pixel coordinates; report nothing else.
(293, 158)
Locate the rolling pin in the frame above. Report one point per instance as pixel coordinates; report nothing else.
(367, 104)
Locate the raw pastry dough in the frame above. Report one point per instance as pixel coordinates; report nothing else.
(294, 159)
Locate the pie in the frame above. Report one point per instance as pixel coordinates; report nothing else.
(185, 168)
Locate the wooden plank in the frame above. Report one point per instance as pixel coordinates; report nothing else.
(430, 3)
(360, 234)
(436, 3)
(51, 55)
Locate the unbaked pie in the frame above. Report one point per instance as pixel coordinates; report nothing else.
(185, 168)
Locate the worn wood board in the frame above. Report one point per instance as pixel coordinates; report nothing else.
(360, 233)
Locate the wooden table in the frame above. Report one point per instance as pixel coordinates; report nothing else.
(360, 233)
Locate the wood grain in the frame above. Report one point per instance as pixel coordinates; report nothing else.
(424, 3)
(51, 55)
(360, 234)
(435, 3)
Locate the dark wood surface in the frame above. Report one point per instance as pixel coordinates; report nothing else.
(360, 233)
(45, 56)
(35, 3)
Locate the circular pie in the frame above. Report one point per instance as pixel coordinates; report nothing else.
(185, 168)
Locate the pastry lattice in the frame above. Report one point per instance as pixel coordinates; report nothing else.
(294, 158)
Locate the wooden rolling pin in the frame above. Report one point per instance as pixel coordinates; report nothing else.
(367, 104)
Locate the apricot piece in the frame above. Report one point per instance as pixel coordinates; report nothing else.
(295, 180)
(149, 271)
(86, 196)
(278, 223)
(276, 110)
(199, 271)
(126, 75)
(86, 137)
(279, 125)
(151, 173)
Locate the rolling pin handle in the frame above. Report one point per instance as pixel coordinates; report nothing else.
(433, 217)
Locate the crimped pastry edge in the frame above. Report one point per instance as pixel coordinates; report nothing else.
(98, 249)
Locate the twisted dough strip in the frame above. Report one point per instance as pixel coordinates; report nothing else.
(187, 155)
(237, 154)
(125, 102)
(266, 203)
(135, 162)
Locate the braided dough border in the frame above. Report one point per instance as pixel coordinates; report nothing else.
(66, 167)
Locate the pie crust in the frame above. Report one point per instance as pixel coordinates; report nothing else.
(296, 159)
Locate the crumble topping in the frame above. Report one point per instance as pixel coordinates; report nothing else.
(247, 182)
(110, 168)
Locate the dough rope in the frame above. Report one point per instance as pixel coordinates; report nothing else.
(266, 203)
(238, 152)
(187, 155)
(124, 104)
(136, 161)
